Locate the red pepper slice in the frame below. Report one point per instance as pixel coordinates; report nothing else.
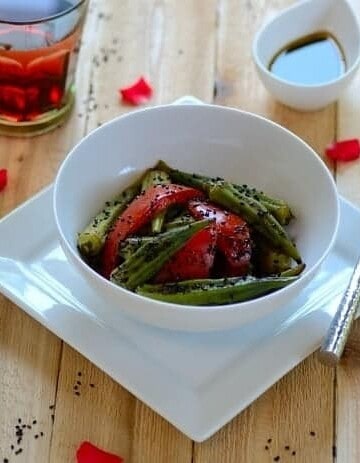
(88, 453)
(345, 150)
(3, 179)
(194, 260)
(142, 209)
(138, 93)
(233, 236)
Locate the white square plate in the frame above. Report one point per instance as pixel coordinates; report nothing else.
(198, 382)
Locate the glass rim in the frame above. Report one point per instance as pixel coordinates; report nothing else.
(46, 18)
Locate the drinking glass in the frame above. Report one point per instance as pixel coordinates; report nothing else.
(39, 40)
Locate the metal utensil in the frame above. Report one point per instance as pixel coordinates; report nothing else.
(337, 335)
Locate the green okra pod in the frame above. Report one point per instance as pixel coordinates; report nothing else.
(193, 180)
(258, 209)
(147, 261)
(179, 221)
(256, 215)
(156, 177)
(130, 245)
(277, 207)
(294, 271)
(214, 291)
(267, 260)
(91, 240)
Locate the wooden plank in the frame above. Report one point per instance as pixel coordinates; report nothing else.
(155, 39)
(152, 39)
(29, 354)
(348, 373)
(29, 360)
(154, 439)
(347, 400)
(102, 414)
(302, 402)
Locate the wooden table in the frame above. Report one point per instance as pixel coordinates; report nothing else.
(198, 47)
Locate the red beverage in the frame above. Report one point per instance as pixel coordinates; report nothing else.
(37, 59)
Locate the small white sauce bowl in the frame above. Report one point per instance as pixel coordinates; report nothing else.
(304, 18)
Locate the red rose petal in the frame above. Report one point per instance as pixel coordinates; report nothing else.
(88, 453)
(138, 93)
(3, 179)
(345, 150)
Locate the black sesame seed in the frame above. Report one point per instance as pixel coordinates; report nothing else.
(78, 382)
(266, 447)
(12, 447)
(77, 393)
(312, 433)
(41, 433)
(269, 441)
(277, 458)
(36, 436)
(92, 385)
(18, 451)
(34, 422)
(6, 460)
(29, 426)
(293, 452)
(287, 447)
(19, 420)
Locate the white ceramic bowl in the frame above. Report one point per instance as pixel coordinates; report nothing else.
(213, 140)
(302, 19)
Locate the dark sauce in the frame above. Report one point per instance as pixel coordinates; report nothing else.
(310, 60)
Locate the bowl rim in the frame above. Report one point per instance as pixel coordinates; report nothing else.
(108, 285)
(296, 86)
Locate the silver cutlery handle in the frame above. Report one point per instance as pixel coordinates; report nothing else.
(337, 335)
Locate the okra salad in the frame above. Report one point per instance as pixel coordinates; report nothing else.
(185, 238)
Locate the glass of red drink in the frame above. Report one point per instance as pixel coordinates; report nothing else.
(38, 44)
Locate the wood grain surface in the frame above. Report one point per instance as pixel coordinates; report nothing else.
(203, 48)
